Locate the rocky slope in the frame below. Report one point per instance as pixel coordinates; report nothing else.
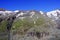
(31, 25)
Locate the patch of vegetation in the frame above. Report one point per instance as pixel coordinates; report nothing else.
(22, 25)
(40, 21)
(3, 26)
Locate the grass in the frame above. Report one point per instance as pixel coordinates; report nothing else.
(3, 26)
(24, 25)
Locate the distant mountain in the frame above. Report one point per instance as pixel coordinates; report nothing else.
(54, 14)
(19, 13)
(22, 13)
(2, 9)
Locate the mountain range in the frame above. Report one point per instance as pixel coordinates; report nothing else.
(28, 22)
(25, 13)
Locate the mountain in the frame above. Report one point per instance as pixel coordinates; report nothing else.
(2, 9)
(19, 13)
(54, 14)
(31, 24)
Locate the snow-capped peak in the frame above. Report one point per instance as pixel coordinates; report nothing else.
(8, 11)
(21, 13)
(41, 12)
(54, 13)
(16, 11)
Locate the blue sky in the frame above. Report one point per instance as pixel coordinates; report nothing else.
(43, 5)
